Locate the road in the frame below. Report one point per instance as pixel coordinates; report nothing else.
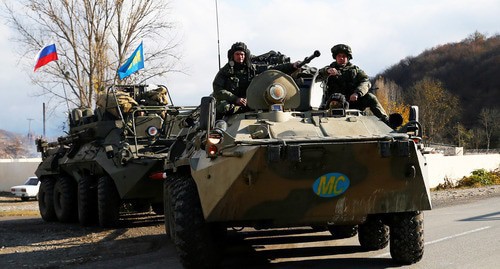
(459, 236)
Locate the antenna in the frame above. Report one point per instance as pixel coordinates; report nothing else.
(218, 42)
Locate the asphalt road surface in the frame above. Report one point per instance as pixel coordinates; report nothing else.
(457, 236)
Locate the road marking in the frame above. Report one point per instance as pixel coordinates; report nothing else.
(457, 235)
(442, 239)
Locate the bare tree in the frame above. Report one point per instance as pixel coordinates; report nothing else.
(437, 107)
(93, 38)
(478, 136)
(388, 93)
(390, 96)
(490, 119)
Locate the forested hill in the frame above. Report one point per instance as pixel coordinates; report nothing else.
(469, 69)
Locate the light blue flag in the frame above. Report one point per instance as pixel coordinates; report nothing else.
(133, 64)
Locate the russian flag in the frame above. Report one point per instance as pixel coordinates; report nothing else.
(45, 56)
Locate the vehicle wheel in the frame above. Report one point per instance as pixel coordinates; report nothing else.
(168, 211)
(46, 200)
(194, 239)
(87, 201)
(25, 199)
(407, 237)
(65, 200)
(373, 233)
(108, 202)
(343, 231)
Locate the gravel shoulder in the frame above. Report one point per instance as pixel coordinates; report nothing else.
(29, 242)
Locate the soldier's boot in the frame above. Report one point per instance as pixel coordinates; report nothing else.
(371, 101)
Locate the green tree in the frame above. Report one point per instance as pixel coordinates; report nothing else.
(93, 38)
(464, 136)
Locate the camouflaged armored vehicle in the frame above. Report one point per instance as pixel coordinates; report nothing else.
(110, 158)
(289, 162)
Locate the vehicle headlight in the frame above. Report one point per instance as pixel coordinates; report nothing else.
(276, 93)
(215, 136)
(152, 131)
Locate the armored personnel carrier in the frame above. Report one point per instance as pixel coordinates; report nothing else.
(110, 157)
(294, 161)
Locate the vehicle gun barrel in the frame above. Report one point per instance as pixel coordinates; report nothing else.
(307, 60)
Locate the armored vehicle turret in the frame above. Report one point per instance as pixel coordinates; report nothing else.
(291, 161)
(110, 157)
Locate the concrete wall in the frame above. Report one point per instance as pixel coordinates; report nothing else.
(15, 172)
(456, 167)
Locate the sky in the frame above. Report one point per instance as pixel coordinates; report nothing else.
(380, 33)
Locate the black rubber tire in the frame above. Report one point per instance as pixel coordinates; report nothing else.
(407, 237)
(108, 202)
(343, 231)
(46, 200)
(168, 210)
(65, 199)
(373, 234)
(87, 201)
(195, 239)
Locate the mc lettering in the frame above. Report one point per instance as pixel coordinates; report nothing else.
(331, 184)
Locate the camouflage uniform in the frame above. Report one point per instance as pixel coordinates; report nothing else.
(233, 79)
(351, 80)
(231, 83)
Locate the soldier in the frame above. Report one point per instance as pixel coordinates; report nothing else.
(232, 80)
(348, 79)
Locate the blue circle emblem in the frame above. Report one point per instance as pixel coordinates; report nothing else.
(331, 185)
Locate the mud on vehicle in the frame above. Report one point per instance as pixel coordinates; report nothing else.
(112, 158)
(292, 162)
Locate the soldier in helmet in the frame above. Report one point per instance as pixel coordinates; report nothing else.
(232, 80)
(348, 79)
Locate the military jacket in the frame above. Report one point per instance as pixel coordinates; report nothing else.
(232, 80)
(351, 80)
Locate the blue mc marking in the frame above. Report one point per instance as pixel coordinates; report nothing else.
(331, 185)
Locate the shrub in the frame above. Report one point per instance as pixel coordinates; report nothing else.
(480, 177)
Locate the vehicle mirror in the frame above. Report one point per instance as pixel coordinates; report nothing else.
(207, 113)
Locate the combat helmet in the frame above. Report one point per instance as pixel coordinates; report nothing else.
(236, 47)
(239, 46)
(341, 48)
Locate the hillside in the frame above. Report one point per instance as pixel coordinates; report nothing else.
(13, 146)
(468, 69)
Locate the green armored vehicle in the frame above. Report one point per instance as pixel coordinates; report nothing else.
(112, 158)
(292, 162)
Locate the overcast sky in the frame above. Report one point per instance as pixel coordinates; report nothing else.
(381, 33)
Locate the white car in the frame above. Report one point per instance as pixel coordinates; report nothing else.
(28, 190)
